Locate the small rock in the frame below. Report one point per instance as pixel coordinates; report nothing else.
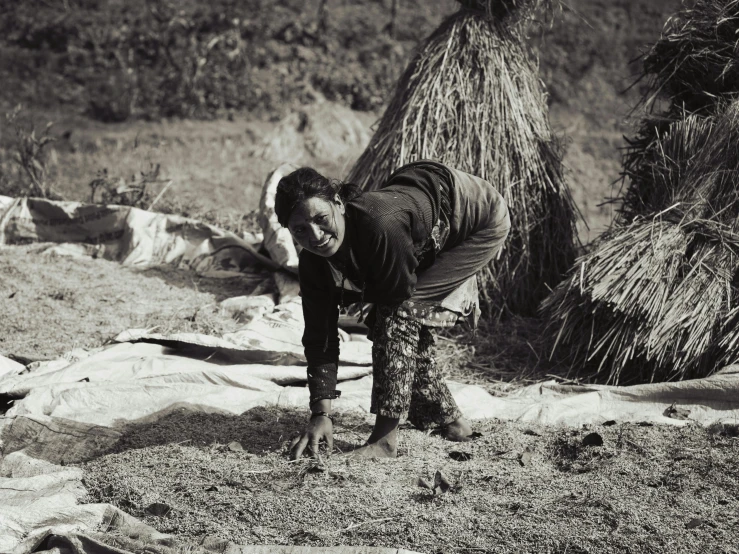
(459, 456)
(525, 457)
(158, 509)
(531, 432)
(235, 446)
(441, 483)
(693, 523)
(609, 423)
(592, 439)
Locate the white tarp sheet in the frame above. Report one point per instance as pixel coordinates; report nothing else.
(76, 411)
(127, 235)
(275, 338)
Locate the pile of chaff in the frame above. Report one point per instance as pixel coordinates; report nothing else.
(656, 297)
(472, 98)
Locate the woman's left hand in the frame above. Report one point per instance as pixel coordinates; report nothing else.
(319, 428)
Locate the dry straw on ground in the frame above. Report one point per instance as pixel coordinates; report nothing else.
(519, 488)
(472, 98)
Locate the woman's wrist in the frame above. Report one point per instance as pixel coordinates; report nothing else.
(323, 405)
(322, 414)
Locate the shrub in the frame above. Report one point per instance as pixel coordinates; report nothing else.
(29, 154)
(153, 58)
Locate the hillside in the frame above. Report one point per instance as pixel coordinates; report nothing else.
(137, 63)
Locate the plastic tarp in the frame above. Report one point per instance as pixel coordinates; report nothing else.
(9, 367)
(277, 239)
(124, 234)
(275, 338)
(37, 496)
(75, 411)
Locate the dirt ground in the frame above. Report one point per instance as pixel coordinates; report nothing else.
(53, 304)
(519, 488)
(524, 489)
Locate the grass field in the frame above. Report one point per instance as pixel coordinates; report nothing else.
(216, 173)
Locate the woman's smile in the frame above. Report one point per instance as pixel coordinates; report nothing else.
(318, 225)
(323, 243)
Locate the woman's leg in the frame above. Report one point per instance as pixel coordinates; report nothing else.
(394, 352)
(407, 384)
(431, 401)
(454, 266)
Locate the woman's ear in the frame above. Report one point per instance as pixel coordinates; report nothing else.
(340, 203)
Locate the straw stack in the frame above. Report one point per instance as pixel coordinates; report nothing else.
(695, 61)
(664, 149)
(655, 299)
(472, 98)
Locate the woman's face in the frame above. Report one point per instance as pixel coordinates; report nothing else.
(318, 225)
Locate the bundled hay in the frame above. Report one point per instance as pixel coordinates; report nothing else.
(471, 98)
(509, 12)
(657, 299)
(665, 148)
(695, 62)
(693, 66)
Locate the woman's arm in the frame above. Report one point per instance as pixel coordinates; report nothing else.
(321, 334)
(321, 343)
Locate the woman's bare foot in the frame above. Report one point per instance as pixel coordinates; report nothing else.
(457, 431)
(383, 442)
(380, 449)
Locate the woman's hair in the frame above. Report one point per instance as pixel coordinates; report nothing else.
(305, 183)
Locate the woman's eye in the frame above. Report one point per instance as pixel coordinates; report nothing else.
(298, 231)
(321, 219)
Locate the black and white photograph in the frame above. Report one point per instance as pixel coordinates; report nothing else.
(369, 276)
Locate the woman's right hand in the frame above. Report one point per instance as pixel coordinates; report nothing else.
(319, 428)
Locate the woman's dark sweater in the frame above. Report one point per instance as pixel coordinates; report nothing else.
(386, 245)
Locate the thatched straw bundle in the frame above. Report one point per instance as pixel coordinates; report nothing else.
(695, 61)
(509, 12)
(657, 299)
(472, 98)
(694, 66)
(665, 148)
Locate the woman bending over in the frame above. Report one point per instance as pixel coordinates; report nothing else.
(412, 249)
